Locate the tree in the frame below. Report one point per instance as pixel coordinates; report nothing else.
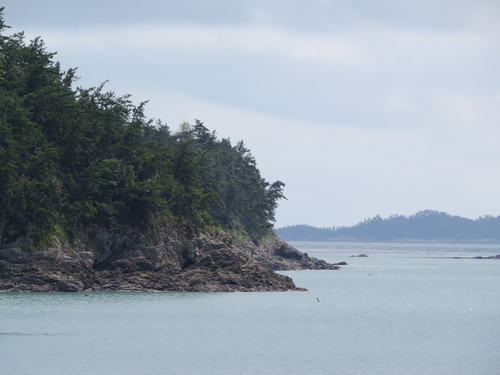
(74, 158)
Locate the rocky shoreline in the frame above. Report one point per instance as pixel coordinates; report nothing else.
(156, 261)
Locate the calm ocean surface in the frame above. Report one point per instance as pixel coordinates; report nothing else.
(404, 309)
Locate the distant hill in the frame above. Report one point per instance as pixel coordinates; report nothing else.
(423, 226)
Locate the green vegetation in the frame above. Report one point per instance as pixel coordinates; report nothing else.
(72, 158)
(425, 225)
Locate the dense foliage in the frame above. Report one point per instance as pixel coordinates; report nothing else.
(71, 158)
(425, 225)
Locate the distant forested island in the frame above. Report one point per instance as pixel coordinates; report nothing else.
(427, 225)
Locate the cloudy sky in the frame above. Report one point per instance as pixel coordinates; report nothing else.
(361, 107)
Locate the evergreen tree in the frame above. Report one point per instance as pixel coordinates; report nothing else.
(70, 158)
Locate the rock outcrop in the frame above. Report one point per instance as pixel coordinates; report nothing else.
(152, 261)
(280, 256)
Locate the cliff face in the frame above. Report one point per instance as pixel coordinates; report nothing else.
(156, 260)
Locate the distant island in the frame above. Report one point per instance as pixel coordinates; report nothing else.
(424, 226)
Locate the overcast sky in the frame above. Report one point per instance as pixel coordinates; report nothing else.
(361, 107)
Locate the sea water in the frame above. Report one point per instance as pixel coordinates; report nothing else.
(403, 309)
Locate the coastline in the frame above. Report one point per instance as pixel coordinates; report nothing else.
(160, 260)
(400, 240)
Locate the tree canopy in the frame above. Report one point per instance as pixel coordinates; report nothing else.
(73, 157)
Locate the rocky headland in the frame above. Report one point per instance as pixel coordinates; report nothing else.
(155, 260)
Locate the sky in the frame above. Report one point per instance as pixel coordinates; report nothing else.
(360, 107)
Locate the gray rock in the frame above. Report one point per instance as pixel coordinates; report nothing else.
(166, 262)
(70, 286)
(14, 255)
(280, 256)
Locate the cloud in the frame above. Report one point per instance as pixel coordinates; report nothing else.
(338, 174)
(186, 38)
(374, 116)
(369, 76)
(360, 47)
